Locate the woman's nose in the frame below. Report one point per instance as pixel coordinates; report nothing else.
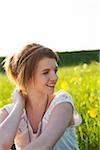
(54, 76)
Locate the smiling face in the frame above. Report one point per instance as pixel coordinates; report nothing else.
(45, 76)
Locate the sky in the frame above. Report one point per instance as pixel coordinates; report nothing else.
(63, 25)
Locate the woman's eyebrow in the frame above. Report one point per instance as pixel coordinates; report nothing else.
(47, 69)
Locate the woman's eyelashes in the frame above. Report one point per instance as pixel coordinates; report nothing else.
(46, 72)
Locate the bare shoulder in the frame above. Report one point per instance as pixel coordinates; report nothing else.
(62, 109)
(3, 115)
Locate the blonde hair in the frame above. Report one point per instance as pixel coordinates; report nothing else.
(21, 66)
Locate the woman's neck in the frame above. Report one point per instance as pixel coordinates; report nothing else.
(35, 101)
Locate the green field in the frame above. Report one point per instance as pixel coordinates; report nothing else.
(82, 82)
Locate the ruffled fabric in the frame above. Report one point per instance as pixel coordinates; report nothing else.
(8, 108)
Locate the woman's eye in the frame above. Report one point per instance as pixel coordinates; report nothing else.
(45, 73)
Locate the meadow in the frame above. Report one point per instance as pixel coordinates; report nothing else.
(82, 82)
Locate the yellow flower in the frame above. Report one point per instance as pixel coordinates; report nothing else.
(73, 79)
(92, 112)
(64, 86)
(98, 81)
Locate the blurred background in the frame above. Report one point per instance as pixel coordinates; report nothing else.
(70, 28)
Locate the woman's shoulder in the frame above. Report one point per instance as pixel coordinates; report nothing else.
(8, 107)
(63, 96)
(62, 92)
(60, 97)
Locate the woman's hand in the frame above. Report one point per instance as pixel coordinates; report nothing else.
(10, 122)
(18, 97)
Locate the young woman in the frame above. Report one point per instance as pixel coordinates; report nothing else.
(39, 119)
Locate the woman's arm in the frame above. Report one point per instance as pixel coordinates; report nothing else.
(9, 123)
(59, 120)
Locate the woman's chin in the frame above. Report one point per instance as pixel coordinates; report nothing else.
(51, 91)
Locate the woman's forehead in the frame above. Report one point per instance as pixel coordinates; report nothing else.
(47, 63)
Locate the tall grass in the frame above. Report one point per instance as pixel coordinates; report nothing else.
(82, 82)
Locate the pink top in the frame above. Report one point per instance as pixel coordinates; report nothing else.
(25, 133)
